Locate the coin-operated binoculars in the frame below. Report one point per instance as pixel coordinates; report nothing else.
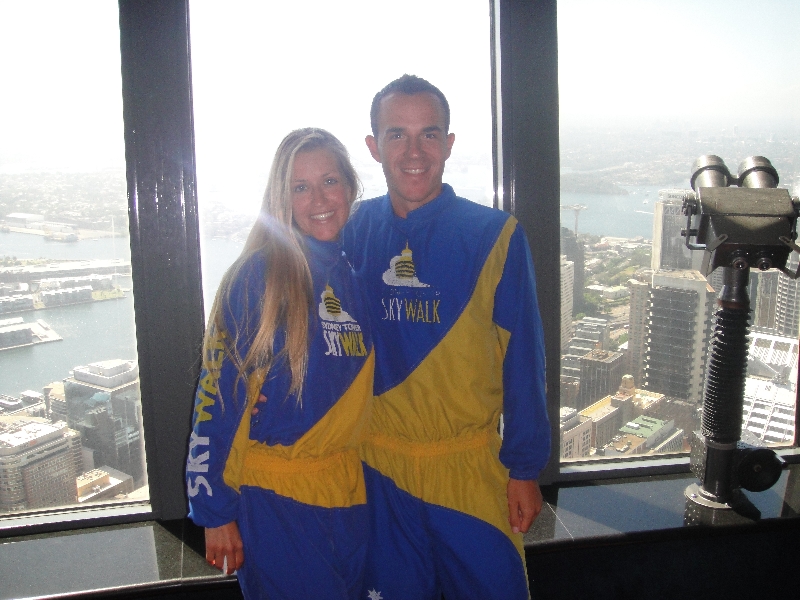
(752, 225)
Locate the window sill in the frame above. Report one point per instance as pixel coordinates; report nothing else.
(92, 516)
(132, 558)
(654, 502)
(137, 559)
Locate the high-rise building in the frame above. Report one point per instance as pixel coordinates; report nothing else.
(37, 463)
(567, 282)
(637, 328)
(98, 383)
(576, 434)
(601, 374)
(572, 248)
(103, 403)
(569, 389)
(590, 334)
(55, 401)
(769, 410)
(114, 443)
(770, 394)
(102, 484)
(669, 247)
(678, 331)
(716, 279)
(606, 416)
(787, 305)
(642, 435)
(766, 303)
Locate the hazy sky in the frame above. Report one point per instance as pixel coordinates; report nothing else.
(61, 100)
(264, 68)
(734, 60)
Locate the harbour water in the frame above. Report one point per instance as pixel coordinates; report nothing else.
(94, 331)
(615, 216)
(91, 332)
(105, 330)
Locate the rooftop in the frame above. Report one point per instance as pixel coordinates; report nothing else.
(16, 433)
(643, 426)
(599, 409)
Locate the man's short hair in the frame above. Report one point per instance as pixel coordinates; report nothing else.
(409, 85)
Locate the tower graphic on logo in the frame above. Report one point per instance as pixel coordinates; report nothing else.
(402, 272)
(332, 304)
(404, 267)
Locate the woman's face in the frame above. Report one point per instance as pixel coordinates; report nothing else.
(319, 194)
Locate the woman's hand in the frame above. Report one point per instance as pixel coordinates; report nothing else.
(224, 547)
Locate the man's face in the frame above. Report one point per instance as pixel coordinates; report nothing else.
(412, 147)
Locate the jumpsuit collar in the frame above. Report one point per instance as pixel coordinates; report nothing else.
(426, 212)
(325, 253)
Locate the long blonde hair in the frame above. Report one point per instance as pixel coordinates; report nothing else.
(287, 297)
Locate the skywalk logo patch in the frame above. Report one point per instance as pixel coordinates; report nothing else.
(342, 333)
(410, 300)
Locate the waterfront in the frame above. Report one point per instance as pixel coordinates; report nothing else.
(614, 216)
(90, 332)
(93, 331)
(105, 330)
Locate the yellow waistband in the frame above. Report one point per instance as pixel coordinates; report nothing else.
(437, 448)
(261, 457)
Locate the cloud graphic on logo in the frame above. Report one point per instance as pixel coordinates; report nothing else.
(342, 317)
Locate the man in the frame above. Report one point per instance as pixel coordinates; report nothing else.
(458, 342)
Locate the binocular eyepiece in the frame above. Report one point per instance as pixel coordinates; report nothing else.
(754, 172)
(743, 221)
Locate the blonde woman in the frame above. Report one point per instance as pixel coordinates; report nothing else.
(273, 472)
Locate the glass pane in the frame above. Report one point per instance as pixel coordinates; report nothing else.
(645, 89)
(70, 411)
(260, 70)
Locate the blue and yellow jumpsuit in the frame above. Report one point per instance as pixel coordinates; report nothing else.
(458, 340)
(290, 476)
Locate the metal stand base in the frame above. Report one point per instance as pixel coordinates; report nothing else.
(695, 494)
(702, 510)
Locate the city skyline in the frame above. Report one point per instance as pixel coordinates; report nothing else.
(648, 116)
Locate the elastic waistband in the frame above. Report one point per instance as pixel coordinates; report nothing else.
(437, 448)
(261, 457)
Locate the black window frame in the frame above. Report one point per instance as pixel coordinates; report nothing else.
(165, 246)
(527, 163)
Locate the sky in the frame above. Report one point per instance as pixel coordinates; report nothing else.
(261, 69)
(288, 65)
(696, 61)
(61, 100)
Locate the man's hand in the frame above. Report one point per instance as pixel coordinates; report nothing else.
(524, 503)
(224, 547)
(261, 398)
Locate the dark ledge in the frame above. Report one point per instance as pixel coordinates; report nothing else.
(627, 532)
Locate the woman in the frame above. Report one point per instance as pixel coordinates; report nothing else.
(273, 471)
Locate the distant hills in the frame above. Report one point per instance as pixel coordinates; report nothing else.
(590, 183)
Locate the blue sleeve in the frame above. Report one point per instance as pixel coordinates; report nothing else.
(526, 431)
(220, 402)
